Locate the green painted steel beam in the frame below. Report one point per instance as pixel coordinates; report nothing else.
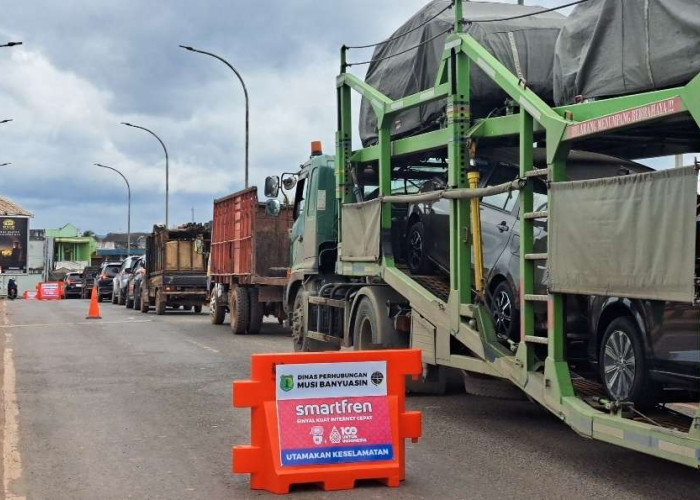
(408, 145)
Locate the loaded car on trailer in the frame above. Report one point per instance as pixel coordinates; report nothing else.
(249, 260)
(627, 241)
(176, 268)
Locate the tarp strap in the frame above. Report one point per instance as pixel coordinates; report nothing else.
(516, 57)
(648, 54)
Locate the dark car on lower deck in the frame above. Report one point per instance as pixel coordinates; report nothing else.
(643, 350)
(105, 279)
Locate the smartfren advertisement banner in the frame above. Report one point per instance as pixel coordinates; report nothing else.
(333, 413)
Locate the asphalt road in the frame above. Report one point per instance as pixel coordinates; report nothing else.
(139, 406)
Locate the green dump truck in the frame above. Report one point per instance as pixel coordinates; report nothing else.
(353, 282)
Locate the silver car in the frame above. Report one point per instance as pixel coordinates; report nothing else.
(121, 280)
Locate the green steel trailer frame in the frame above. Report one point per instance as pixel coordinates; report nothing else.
(547, 381)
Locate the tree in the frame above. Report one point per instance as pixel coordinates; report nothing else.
(89, 233)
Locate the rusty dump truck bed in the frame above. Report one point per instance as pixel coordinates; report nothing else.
(248, 245)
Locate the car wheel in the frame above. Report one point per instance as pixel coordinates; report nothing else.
(256, 311)
(622, 363)
(114, 298)
(505, 315)
(416, 254)
(160, 303)
(121, 299)
(217, 312)
(239, 310)
(129, 303)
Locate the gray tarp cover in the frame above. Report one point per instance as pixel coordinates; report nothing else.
(534, 38)
(360, 231)
(615, 47)
(631, 236)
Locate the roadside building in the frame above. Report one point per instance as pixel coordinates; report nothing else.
(70, 249)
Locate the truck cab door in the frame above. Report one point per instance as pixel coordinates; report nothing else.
(303, 237)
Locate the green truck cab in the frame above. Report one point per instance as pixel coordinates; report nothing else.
(313, 237)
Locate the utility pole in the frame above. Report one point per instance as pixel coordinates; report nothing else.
(192, 214)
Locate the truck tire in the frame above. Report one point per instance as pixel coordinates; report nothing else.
(299, 339)
(144, 302)
(435, 382)
(240, 310)
(197, 309)
(217, 312)
(366, 326)
(160, 303)
(477, 384)
(256, 311)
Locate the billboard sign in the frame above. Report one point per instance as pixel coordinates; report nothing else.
(333, 413)
(14, 244)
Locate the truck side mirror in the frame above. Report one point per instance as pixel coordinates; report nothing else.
(273, 207)
(272, 186)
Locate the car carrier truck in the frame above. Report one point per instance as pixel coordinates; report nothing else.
(176, 268)
(249, 260)
(349, 285)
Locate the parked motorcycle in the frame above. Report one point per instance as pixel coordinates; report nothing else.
(11, 289)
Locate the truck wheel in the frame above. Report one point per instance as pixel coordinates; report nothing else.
(299, 339)
(477, 384)
(217, 312)
(144, 303)
(366, 325)
(256, 311)
(160, 303)
(239, 310)
(197, 309)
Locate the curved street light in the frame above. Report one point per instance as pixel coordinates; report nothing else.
(10, 44)
(5, 164)
(247, 102)
(167, 167)
(128, 209)
(6, 121)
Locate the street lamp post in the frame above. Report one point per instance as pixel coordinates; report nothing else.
(247, 102)
(167, 167)
(128, 207)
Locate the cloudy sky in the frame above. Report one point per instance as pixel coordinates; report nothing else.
(87, 65)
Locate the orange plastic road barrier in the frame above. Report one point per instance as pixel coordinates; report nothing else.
(329, 418)
(94, 309)
(49, 291)
(27, 295)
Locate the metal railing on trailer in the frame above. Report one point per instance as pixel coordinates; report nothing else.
(544, 377)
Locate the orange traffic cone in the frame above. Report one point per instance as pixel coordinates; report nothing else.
(94, 310)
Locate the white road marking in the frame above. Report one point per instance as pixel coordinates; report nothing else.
(12, 460)
(80, 323)
(202, 346)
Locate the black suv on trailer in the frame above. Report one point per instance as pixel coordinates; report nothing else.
(643, 350)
